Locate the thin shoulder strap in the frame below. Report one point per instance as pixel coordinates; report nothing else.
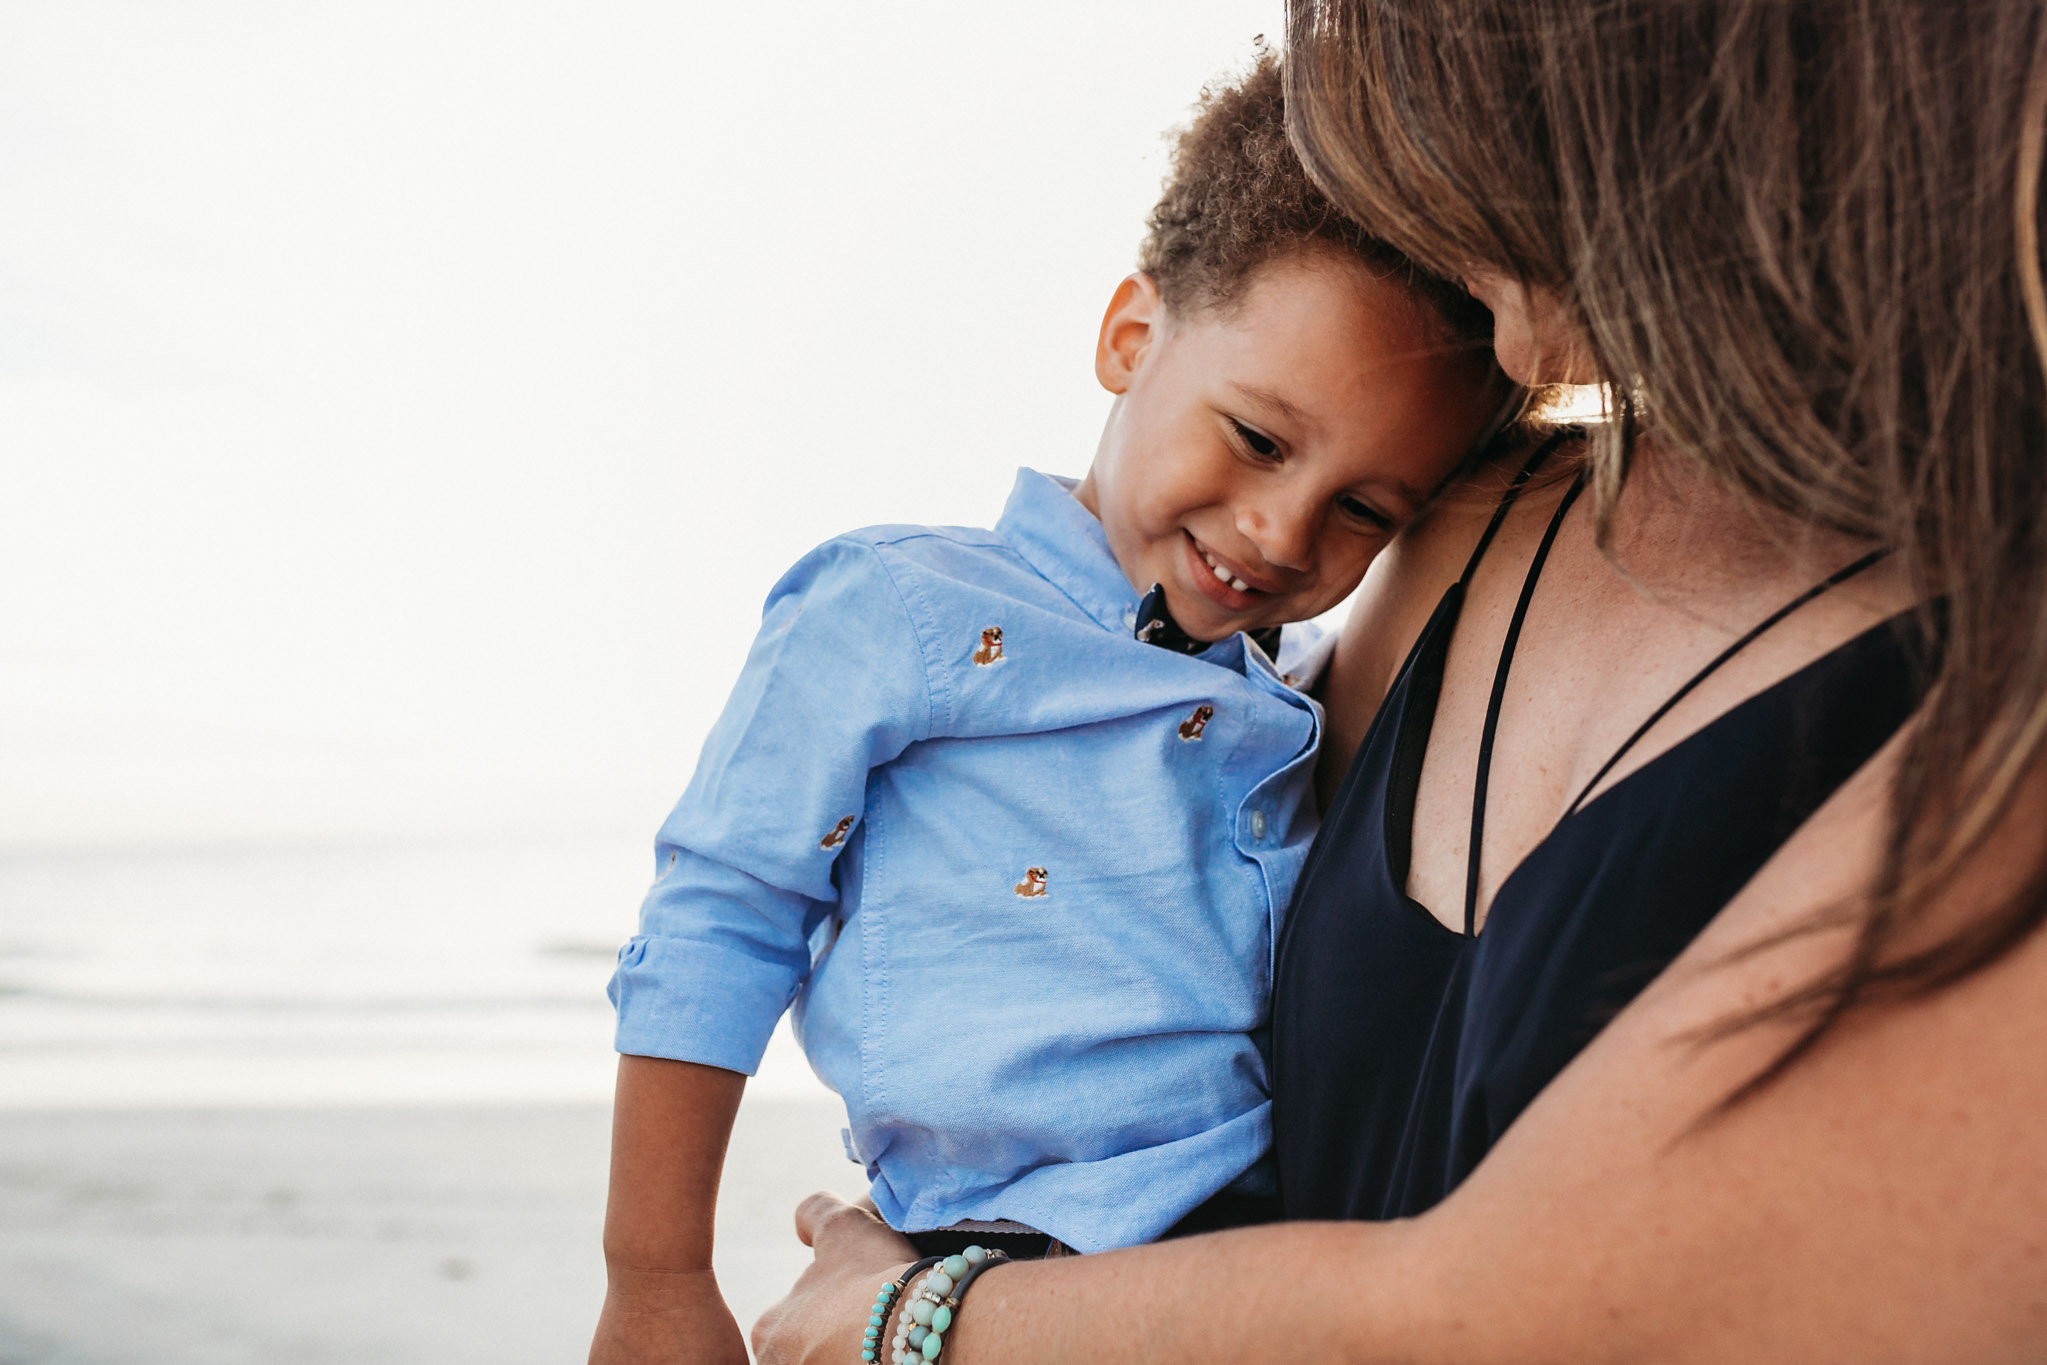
(1512, 495)
(1492, 710)
(1833, 580)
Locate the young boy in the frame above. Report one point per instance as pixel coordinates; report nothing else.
(1011, 828)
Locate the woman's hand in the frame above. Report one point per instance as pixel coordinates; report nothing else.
(666, 1319)
(820, 1319)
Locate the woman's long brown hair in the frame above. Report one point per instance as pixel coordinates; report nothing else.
(1803, 241)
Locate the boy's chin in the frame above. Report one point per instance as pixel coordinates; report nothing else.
(1212, 629)
(1207, 620)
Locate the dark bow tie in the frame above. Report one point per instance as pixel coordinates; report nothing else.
(1156, 626)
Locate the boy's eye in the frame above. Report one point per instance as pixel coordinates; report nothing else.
(1365, 512)
(1261, 444)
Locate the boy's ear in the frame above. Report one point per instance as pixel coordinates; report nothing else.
(1128, 329)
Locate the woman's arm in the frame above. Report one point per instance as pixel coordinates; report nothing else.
(1884, 1200)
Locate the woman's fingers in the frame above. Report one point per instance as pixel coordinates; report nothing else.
(818, 1210)
(825, 1214)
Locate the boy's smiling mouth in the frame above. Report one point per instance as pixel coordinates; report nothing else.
(1221, 581)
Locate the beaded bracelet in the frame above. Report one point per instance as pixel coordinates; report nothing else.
(877, 1316)
(922, 1336)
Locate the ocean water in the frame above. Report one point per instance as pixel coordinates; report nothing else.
(416, 973)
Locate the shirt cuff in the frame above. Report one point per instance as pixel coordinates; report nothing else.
(691, 1001)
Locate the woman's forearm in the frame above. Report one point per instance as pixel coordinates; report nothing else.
(1297, 1291)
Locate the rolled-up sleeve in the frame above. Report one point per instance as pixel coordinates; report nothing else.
(836, 684)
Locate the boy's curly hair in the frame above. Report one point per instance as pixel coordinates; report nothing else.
(1238, 197)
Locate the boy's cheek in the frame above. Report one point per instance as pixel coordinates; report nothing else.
(1341, 586)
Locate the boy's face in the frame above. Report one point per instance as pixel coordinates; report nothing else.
(1257, 458)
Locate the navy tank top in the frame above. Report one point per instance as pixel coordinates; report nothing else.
(1403, 1049)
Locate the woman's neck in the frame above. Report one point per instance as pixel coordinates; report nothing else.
(1682, 535)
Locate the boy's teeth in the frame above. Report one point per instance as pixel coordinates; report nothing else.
(1224, 574)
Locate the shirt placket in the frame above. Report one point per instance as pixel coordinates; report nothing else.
(1279, 748)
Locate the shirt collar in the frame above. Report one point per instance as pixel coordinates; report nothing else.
(1063, 541)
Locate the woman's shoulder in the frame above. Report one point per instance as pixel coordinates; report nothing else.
(1401, 591)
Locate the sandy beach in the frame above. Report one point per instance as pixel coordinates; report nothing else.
(338, 1104)
(374, 1236)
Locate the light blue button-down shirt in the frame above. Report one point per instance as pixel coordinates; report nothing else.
(1019, 874)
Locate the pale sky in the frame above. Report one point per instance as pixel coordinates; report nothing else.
(405, 407)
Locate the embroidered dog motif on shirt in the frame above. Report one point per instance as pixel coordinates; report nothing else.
(1033, 883)
(838, 834)
(990, 651)
(1192, 727)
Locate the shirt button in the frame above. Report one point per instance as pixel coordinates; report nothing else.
(1257, 824)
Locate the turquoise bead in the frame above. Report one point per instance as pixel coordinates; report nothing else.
(933, 1344)
(874, 1319)
(940, 1283)
(975, 1255)
(867, 1354)
(920, 1312)
(871, 1333)
(955, 1266)
(941, 1318)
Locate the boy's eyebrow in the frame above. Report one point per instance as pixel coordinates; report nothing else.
(1266, 398)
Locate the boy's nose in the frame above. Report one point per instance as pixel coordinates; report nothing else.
(1284, 533)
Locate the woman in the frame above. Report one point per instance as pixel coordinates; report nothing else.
(1802, 244)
